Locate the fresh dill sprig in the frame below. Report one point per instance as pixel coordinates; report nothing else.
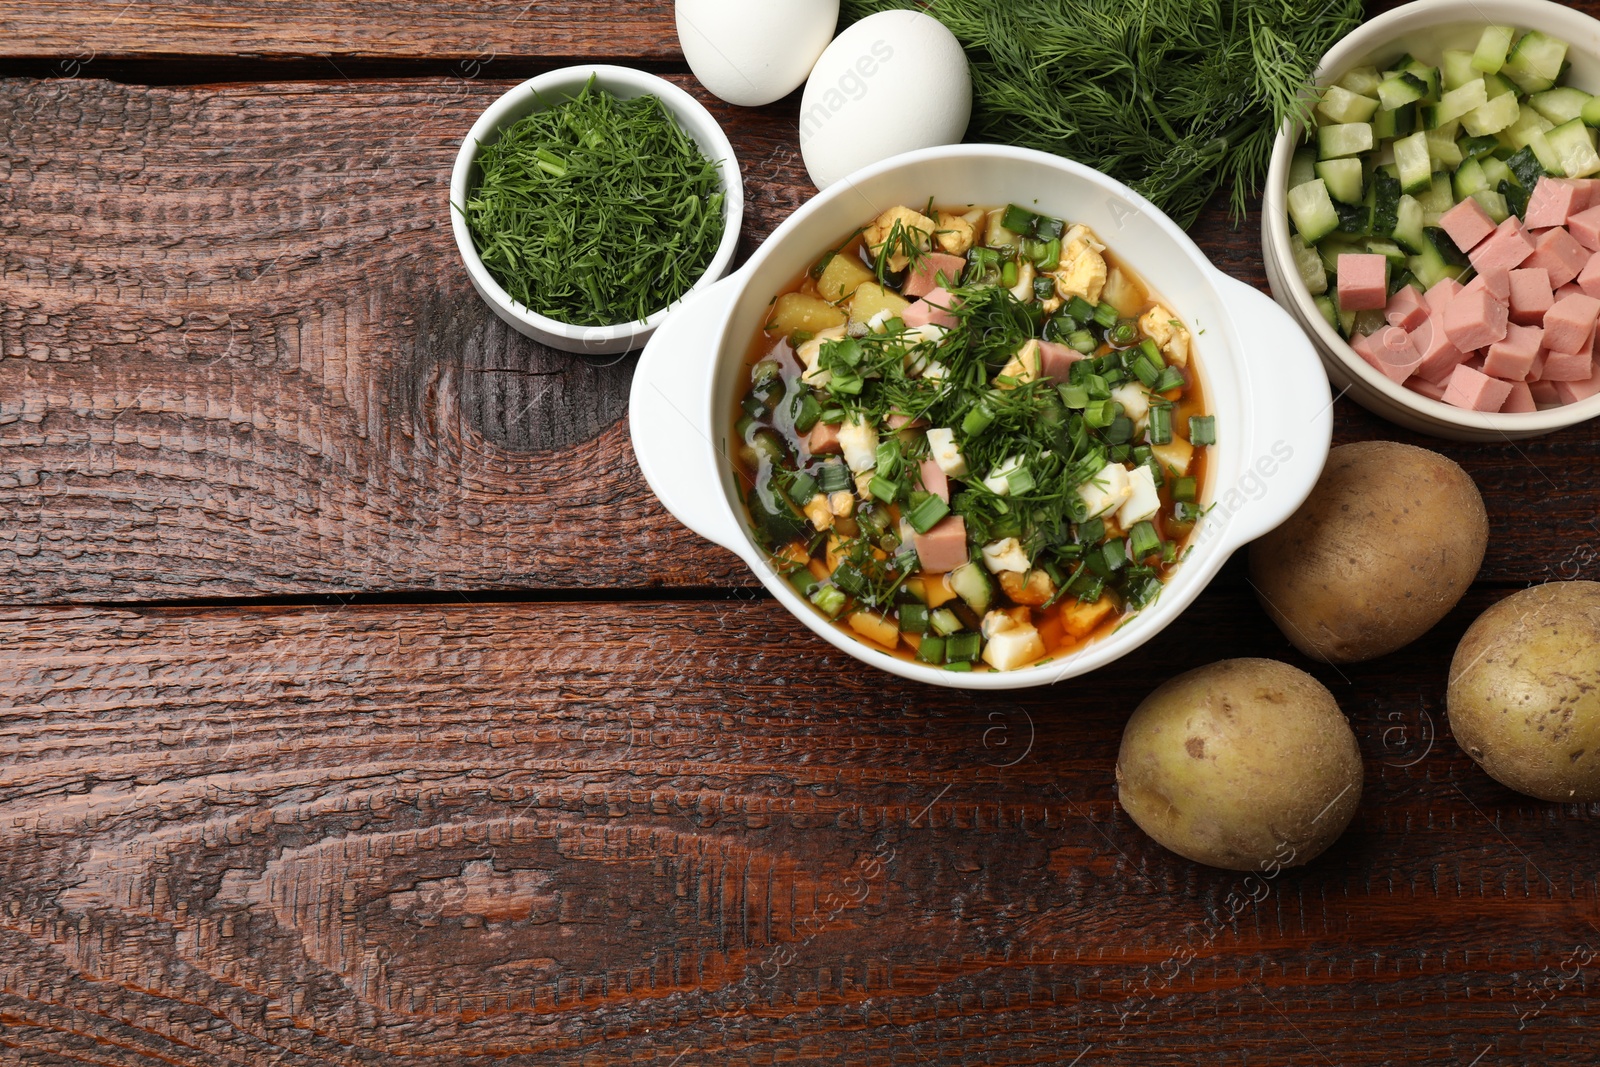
(596, 210)
(1178, 98)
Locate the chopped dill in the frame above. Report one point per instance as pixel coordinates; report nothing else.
(596, 210)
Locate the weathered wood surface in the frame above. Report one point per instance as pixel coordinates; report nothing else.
(79, 33)
(241, 358)
(692, 833)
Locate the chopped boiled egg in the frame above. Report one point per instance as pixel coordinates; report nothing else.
(912, 225)
(858, 440)
(1083, 269)
(1017, 645)
(942, 443)
(1162, 327)
(1106, 491)
(1143, 500)
(1005, 554)
(1022, 367)
(810, 351)
(998, 481)
(1135, 401)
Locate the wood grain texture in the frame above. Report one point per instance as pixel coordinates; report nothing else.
(240, 357)
(667, 834)
(79, 32)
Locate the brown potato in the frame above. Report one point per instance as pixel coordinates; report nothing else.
(1524, 695)
(1387, 543)
(1246, 764)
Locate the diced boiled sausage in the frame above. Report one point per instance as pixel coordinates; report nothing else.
(943, 548)
(1363, 281)
(924, 277)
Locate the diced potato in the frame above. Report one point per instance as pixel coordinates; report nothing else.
(1035, 589)
(797, 311)
(915, 225)
(794, 552)
(875, 628)
(1175, 456)
(871, 298)
(1124, 293)
(1051, 631)
(1013, 648)
(913, 641)
(835, 557)
(939, 591)
(955, 234)
(1081, 620)
(841, 277)
(819, 570)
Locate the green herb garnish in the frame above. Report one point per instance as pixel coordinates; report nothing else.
(595, 210)
(1174, 98)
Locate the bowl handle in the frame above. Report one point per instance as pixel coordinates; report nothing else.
(670, 418)
(1285, 390)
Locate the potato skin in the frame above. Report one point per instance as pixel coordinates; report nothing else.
(1389, 540)
(1246, 764)
(1524, 695)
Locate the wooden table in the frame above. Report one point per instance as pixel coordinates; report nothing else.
(361, 706)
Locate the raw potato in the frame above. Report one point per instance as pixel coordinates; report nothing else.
(1247, 764)
(1524, 696)
(1387, 543)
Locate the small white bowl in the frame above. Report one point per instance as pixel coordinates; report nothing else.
(1260, 374)
(625, 83)
(1425, 28)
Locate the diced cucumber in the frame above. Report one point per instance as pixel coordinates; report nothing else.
(1469, 179)
(1493, 47)
(1498, 85)
(1384, 194)
(1535, 61)
(1312, 210)
(1398, 90)
(1369, 321)
(1495, 171)
(1429, 76)
(1329, 312)
(1390, 251)
(1354, 218)
(1591, 112)
(1408, 225)
(1516, 198)
(1344, 179)
(972, 585)
(1560, 104)
(1398, 122)
(1442, 147)
(1430, 267)
(1528, 123)
(1574, 147)
(1303, 167)
(1309, 264)
(1341, 105)
(1500, 113)
(1477, 147)
(1494, 204)
(1456, 69)
(1413, 162)
(1438, 198)
(1446, 246)
(1546, 154)
(1344, 139)
(1363, 81)
(1457, 102)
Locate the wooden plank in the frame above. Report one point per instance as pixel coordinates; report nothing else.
(241, 358)
(678, 833)
(80, 33)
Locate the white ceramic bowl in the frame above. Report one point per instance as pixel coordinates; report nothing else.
(1260, 373)
(1425, 28)
(560, 84)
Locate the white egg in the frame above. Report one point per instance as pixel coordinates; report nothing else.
(752, 52)
(893, 82)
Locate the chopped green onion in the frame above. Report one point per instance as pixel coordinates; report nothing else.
(848, 576)
(1120, 432)
(1082, 341)
(927, 512)
(834, 477)
(963, 648)
(944, 622)
(1171, 378)
(977, 420)
(1102, 413)
(1160, 425)
(804, 582)
(1123, 333)
(806, 412)
(1020, 481)
(1047, 228)
(1043, 288)
(1151, 352)
(1145, 371)
(1080, 309)
(1185, 513)
(1008, 273)
(829, 599)
(931, 650)
(1202, 429)
(913, 619)
(1075, 397)
(802, 488)
(1019, 220)
(845, 385)
(753, 406)
(1106, 315)
(1186, 490)
(1091, 531)
(884, 489)
(1116, 554)
(960, 667)
(1099, 388)
(1143, 540)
